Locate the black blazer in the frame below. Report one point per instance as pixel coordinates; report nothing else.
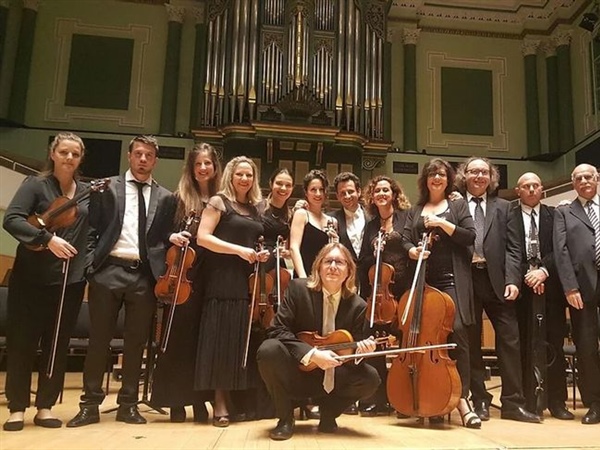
(462, 251)
(106, 212)
(302, 310)
(501, 246)
(340, 216)
(574, 250)
(545, 226)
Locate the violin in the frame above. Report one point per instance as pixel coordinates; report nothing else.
(174, 288)
(381, 305)
(261, 286)
(282, 276)
(62, 212)
(424, 383)
(338, 341)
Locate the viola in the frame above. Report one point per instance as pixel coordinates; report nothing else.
(381, 305)
(338, 341)
(174, 288)
(62, 212)
(424, 383)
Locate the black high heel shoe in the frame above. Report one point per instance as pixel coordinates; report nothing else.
(309, 412)
(470, 419)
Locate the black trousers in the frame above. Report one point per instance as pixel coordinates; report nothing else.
(32, 313)
(553, 341)
(286, 382)
(586, 334)
(503, 315)
(111, 288)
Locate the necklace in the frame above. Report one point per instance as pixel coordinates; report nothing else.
(385, 219)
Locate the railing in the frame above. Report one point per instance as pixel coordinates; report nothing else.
(16, 166)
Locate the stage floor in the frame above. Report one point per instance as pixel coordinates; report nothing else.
(354, 432)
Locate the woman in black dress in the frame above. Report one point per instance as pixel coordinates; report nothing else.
(448, 260)
(311, 228)
(229, 230)
(173, 383)
(388, 207)
(36, 281)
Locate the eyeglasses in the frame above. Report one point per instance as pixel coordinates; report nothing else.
(338, 262)
(437, 174)
(481, 172)
(584, 177)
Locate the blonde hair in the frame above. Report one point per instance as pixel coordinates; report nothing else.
(254, 195)
(62, 136)
(349, 285)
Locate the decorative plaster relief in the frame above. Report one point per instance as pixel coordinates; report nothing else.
(56, 111)
(435, 137)
(530, 47)
(31, 4)
(410, 36)
(175, 13)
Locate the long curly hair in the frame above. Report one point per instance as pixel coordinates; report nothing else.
(399, 200)
(433, 166)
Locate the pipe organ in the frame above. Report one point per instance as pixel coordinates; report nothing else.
(304, 61)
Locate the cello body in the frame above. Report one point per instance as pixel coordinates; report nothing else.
(425, 383)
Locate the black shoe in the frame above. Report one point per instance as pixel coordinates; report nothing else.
(436, 420)
(87, 415)
(520, 414)
(200, 412)
(130, 414)
(592, 416)
(328, 425)
(351, 410)
(177, 414)
(482, 409)
(47, 423)
(368, 411)
(560, 411)
(284, 429)
(311, 412)
(15, 425)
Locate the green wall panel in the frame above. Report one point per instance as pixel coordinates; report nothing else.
(467, 101)
(99, 72)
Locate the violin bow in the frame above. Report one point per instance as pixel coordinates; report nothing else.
(375, 282)
(252, 305)
(52, 360)
(411, 295)
(277, 266)
(396, 351)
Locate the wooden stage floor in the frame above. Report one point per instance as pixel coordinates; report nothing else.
(354, 432)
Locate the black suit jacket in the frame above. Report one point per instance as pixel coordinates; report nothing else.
(501, 246)
(302, 310)
(545, 227)
(340, 216)
(462, 251)
(574, 250)
(106, 212)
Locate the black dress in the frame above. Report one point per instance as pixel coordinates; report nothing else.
(224, 319)
(173, 382)
(313, 240)
(395, 255)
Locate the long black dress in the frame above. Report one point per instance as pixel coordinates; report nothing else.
(224, 320)
(173, 382)
(395, 255)
(313, 240)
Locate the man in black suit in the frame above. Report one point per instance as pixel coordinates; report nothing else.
(325, 302)
(546, 324)
(352, 217)
(577, 256)
(131, 223)
(496, 279)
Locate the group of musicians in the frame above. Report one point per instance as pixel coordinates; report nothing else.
(486, 255)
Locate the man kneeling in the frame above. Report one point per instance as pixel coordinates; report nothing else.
(324, 302)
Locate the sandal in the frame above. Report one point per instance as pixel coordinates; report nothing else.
(470, 420)
(220, 421)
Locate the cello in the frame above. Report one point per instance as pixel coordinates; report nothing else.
(425, 383)
(381, 306)
(174, 288)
